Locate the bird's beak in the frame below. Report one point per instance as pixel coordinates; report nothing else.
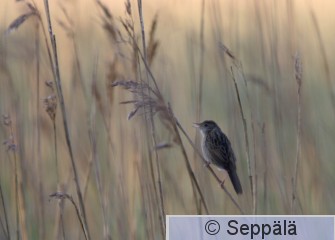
(196, 125)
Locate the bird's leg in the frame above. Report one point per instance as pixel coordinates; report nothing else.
(206, 164)
(222, 183)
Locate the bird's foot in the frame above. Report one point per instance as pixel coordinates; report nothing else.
(222, 183)
(207, 164)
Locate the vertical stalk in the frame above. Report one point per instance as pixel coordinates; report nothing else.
(64, 118)
(152, 125)
(298, 77)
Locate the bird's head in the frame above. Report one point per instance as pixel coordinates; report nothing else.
(206, 126)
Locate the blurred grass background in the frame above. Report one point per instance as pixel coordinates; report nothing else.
(114, 167)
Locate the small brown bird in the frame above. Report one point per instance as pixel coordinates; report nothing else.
(217, 149)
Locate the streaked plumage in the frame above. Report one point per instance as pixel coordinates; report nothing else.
(217, 149)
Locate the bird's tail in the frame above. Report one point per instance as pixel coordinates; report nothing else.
(235, 181)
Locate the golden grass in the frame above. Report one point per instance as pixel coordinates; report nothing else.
(277, 111)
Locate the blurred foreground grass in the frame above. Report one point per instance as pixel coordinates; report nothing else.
(126, 184)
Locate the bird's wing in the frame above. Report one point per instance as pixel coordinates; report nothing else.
(222, 152)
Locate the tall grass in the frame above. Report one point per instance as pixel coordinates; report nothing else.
(98, 109)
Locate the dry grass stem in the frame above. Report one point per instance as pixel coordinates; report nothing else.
(298, 78)
(6, 231)
(238, 65)
(62, 106)
(21, 227)
(64, 196)
(246, 138)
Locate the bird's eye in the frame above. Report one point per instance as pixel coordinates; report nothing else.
(206, 125)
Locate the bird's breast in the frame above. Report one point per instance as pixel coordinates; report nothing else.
(204, 149)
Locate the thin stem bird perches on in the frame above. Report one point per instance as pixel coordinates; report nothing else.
(158, 106)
